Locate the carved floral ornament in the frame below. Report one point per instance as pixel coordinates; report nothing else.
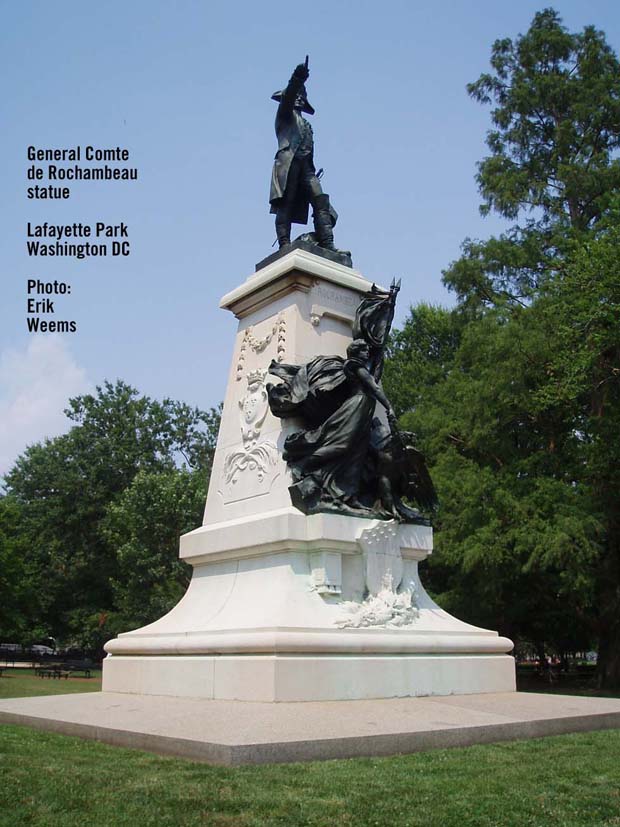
(259, 460)
(277, 332)
(250, 470)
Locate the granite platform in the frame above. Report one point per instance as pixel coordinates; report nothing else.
(240, 732)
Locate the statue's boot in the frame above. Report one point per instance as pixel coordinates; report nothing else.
(323, 223)
(283, 232)
(324, 227)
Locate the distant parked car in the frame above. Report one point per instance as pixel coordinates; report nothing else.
(10, 647)
(39, 649)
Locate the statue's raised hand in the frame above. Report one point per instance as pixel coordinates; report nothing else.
(302, 71)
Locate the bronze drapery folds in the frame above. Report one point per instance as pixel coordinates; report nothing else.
(345, 459)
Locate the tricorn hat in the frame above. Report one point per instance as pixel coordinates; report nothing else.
(309, 110)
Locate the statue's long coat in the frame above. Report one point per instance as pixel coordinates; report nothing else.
(289, 134)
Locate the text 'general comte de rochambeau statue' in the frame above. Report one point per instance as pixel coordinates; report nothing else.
(295, 184)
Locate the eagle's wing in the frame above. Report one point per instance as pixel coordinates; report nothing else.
(420, 486)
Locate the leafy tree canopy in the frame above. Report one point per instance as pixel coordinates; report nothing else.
(520, 414)
(553, 165)
(64, 489)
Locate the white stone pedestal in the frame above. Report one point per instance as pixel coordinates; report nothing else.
(284, 606)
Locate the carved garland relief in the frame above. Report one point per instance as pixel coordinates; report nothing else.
(250, 342)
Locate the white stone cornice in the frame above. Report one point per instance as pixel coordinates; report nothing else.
(303, 262)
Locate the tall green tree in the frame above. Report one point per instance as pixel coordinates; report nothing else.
(14, 575)
(552, 166)
(515, 534)
(553, 170)
(580, 311)
(143, 525)
(421, 354)
(522, 428)
(63, 489)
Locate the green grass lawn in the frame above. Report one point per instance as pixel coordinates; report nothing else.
(23, 683)
(565, 781)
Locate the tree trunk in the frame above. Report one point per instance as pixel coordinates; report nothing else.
(608, 664)
(608, 667)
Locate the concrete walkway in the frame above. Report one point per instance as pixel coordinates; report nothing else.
(236, 732)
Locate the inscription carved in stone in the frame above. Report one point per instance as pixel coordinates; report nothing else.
(322, 291)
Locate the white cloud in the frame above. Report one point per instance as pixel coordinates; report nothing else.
(35, 384)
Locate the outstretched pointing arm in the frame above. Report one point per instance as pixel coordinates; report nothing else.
(300, 75)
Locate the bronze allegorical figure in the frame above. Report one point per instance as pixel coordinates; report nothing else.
(345, 459)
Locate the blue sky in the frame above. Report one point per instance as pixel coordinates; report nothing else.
(186, 87)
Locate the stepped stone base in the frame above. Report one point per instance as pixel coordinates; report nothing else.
(284, 618)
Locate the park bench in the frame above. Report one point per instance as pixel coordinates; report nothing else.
(66, 668)
(84, 666)
(52, 671)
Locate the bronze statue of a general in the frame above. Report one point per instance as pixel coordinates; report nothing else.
(294, 181)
